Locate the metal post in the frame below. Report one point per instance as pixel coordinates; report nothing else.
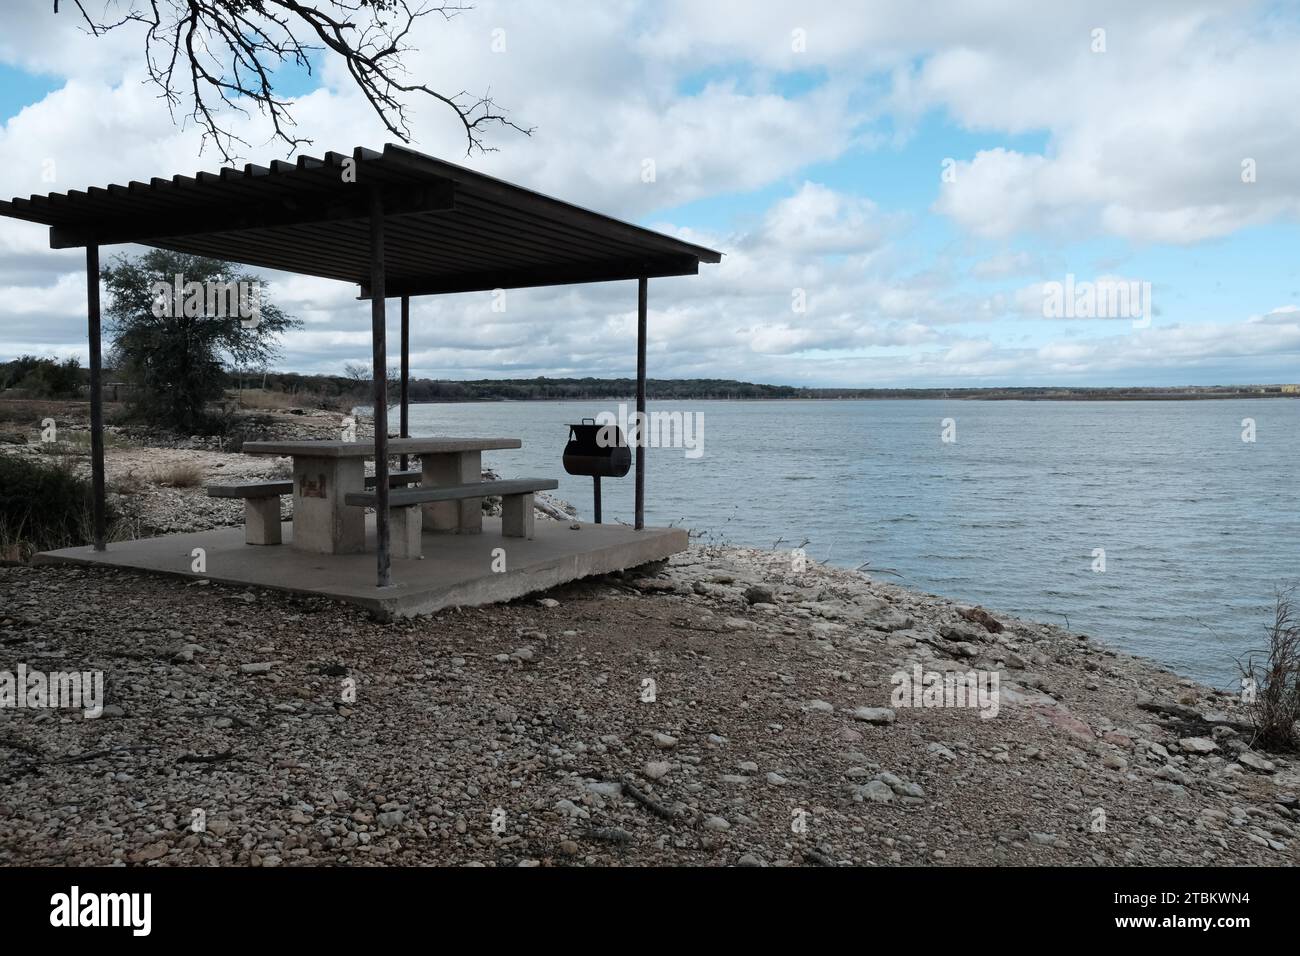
(406, 369)
(377, 333)
(641, 297)
(96, 394)
(597, 497)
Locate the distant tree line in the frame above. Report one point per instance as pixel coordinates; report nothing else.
(51, 378)
(544, 389)
(39, 377)
(1060, 393)
(354, 386)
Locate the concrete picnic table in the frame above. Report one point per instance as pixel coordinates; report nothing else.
(325, 471)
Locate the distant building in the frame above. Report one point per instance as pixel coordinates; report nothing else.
(1291, 389)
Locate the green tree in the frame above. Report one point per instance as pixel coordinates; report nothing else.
(14, 371)
(43, 377)
(177, 348)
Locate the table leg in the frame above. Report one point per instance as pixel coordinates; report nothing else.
(455, 468)
(322, 523)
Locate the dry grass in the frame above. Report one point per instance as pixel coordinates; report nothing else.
(179, 475)
(130, 483)
(76, 444)
(1275, 681)
(262, 398)
(29, 413)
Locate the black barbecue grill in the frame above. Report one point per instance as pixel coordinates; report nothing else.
(600, 451)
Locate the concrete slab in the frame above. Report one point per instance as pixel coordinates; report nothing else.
(457, 569)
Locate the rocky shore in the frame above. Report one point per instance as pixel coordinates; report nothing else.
(733, 707)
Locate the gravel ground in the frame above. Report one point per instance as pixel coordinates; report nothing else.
(524, 734)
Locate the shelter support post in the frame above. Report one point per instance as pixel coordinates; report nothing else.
(377, 333)
(641, 297)
(96, 393)
(406, 371)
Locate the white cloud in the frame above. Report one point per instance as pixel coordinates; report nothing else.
(1143, 142)
(1005, 264)
(817, 220)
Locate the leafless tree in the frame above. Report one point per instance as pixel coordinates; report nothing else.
(361, 375)
(206, 54)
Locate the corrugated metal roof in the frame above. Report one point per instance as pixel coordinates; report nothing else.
(447, 228)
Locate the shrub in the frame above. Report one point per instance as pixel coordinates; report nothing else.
(43, 507)
(42, 377)
(1275, 681)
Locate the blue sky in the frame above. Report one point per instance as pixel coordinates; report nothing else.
(816, 169)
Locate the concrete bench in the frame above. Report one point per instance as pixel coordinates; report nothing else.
(406, 522)
(262, 503)
(261, 507)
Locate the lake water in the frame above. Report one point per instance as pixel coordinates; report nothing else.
(1198, 526)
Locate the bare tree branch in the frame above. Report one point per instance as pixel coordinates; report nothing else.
(232, 49)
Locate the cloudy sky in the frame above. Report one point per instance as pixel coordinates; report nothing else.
(914, 172)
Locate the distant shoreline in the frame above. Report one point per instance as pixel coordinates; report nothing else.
(427, 391)
(920, 395)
